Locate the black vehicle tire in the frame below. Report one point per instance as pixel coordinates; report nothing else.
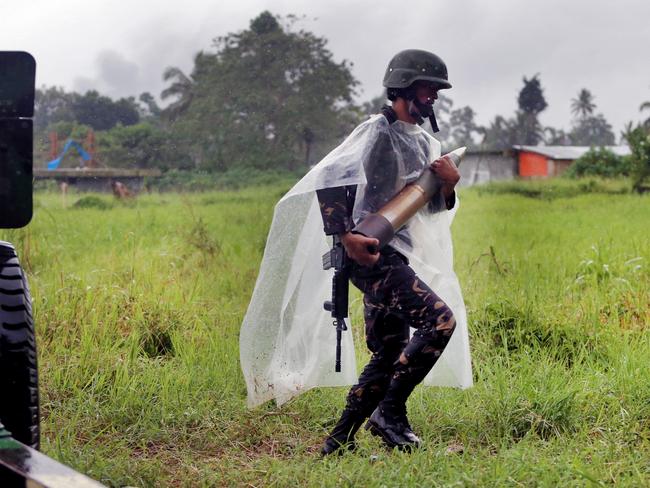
(19, 408)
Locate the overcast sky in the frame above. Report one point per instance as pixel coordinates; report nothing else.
(122, 48)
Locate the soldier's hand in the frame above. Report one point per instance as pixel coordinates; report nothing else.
(446, 170)
(356, 246)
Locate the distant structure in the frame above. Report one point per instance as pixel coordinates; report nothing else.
(89, 173)
(98, 179)
(548, 161)
(484, 166)
(87, 151)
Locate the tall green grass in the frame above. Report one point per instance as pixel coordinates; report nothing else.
(138, 308)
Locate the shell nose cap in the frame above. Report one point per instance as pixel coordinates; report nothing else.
(458, 154)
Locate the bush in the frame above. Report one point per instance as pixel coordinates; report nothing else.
(639, 141)
(92, 201)
(555, 187)
(599, 162)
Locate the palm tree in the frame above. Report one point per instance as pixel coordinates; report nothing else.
(500, 134)
(644, 106)
(583, 106)
(555, 137)
(182, 88)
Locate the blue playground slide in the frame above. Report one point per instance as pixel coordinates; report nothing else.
(70, 143)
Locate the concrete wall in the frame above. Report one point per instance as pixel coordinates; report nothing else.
(100, 184)
(558, 166)
(98, 179)
(481, 167)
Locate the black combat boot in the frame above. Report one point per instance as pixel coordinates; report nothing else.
(393, 428)
(409, 434)
(342, 436)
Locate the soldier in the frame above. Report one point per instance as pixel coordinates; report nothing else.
(395, 298)
(285, 332)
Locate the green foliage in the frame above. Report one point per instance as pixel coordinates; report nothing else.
(150, 109)
(91, 109)
(92, 201)
(592, 130)
(589, 129)
(138, 146)
(267, 98)
(102, 113)
(52, 105)
(142, 145)
(503, 133)
(181, 88)
(463, 127)
(122, 141)
(639, 140)
(525, 128)
(556, 137)
(374, 105)
(69, 130)
(583, 105)
(642, 107)
(500, 134)
(531, 103)
(531, 97)
(599, 161)
(554, 188)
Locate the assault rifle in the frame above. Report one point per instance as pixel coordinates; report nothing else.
(338, 306)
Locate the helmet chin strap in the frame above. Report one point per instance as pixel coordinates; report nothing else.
(434, 124)
(415, 113)
(419, 110)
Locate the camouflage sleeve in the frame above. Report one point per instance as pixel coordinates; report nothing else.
(439, 202)
(334, 209)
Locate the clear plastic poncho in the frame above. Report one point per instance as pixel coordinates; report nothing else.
(287, 340)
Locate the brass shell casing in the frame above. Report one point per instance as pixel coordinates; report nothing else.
(404, 205)
(391, 217)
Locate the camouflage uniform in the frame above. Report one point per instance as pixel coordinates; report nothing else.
(394, 300)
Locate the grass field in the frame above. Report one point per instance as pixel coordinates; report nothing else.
(138, 308)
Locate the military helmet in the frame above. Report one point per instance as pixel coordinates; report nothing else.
(413, 65)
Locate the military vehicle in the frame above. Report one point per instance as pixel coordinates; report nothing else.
(21, 464)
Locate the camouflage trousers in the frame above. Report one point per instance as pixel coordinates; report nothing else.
(394, 300)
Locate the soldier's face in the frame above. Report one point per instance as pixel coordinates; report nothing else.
(426, 93)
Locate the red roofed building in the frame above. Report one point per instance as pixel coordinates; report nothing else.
(548, 161)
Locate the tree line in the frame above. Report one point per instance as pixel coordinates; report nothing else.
(524, 127)
(273, 97)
